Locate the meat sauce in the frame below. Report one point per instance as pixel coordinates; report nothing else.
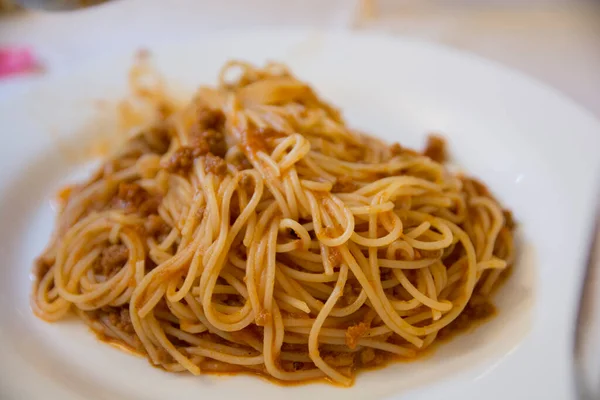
(111, 260)
(205, 139)
(367, 359)
(254, 140)
(436, 149)
(209, 142)
(131, 197)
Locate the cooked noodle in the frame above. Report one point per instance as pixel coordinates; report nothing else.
(252, 230)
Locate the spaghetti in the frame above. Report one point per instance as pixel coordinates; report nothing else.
(252, 230)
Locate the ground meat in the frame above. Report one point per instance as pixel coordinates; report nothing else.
(436, 148)
(133, 198)
(367, 356)
(215, 165)
(351, 292)
(396, 150)
(241, 162)
(150, 206)
(339, 359)
(335, 257)
(330, 232)
(129, 195)
(157, 137)
(198, 144)
(112, 259)
(254, 141)
(380, 358)
(42, 266)
(207, 133)
(508, 219)
(156, 227)
(343, 185)
(208, 140)
(181, 161)
(354, 333)
(120, 319)
(209, 118)
(247, 182)
(262, 317)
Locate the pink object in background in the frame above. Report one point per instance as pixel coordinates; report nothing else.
(16, 61)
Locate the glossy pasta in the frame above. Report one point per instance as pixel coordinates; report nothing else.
(252, 230)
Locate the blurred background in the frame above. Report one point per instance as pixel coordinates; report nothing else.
(556, 41)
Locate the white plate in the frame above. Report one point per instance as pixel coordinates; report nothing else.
(535, 149)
